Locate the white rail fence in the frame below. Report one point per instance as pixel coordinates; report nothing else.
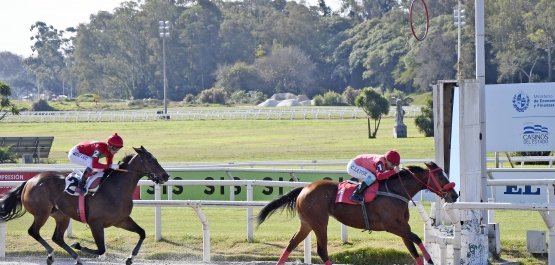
(199, 114)
(301, 164)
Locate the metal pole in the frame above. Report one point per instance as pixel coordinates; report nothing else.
(459, 42)
(165, 82)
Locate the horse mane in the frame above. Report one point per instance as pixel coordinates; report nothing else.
(414, 169)
(125, 161)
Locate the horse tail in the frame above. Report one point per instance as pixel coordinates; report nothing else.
(287, 201)
(11, 207)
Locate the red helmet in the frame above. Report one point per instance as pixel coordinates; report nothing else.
(115, 140)
(393, 157)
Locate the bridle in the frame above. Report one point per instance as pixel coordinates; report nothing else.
(149, 172)
(441, 192)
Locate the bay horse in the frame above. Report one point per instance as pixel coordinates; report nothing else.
(316, 202)
(43, 196)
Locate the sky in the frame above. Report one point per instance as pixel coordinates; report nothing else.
(17, 16)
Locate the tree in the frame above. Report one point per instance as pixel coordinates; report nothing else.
(48, 64)
(5, 106)
(287, 70)
(6, 156)
(237, 77)
(425, 120)
(374, 105)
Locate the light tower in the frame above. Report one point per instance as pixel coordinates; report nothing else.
(460, 21)
(164, 30)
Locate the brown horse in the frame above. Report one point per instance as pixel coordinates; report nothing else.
(316, 202)
(111, 205)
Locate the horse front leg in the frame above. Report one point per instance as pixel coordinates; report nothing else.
(409, 243)
(130, 225)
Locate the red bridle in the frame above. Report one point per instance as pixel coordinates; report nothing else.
(441, 191)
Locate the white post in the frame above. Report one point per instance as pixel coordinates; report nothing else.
(2, 239)
(158, 213)
(249, 213)
(307, 249)
(344, 233)
(205, 234)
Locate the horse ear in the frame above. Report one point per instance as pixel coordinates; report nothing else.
(136, 150)
(143, 149)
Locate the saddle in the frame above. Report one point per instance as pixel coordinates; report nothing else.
(347, 188)
(73, 179)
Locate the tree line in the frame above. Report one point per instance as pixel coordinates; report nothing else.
(275, 46)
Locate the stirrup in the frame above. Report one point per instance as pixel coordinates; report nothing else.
(357, 199)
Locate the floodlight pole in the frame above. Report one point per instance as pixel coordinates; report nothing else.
(164, 30)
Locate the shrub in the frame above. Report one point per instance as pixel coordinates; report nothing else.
(332, 98)
(533, 153)
(240, 97)
(41, 105)
(6, 156)
(212, 95)
(350, 95)
(318, 100)
(189, 98)
(425, 120)
(85, 98)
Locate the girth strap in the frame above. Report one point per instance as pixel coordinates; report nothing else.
(392, 195)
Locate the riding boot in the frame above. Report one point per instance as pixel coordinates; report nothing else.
(83, 181)
(358, 195)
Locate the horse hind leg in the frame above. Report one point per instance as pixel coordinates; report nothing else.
(34, 232)
(62, 222)
(295, 240)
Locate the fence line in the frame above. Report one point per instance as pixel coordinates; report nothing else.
(199, 114)
(301, 164)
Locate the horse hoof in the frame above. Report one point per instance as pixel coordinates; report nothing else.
(76, 245)
(129, 261)
(49, 260)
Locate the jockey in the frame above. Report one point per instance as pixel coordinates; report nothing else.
(88, 153)
(369, 167)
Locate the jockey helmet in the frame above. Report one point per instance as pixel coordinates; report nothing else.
(115, 140)
(393, 157)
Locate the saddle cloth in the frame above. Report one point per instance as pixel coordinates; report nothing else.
(347, 188)
(73, 179)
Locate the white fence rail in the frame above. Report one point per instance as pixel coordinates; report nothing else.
(200, 114)
(301, 164)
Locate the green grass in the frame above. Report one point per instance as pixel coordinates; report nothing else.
(243, 141)
(235, 140)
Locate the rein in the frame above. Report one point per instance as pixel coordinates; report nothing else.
(439, 192)
(145, 166)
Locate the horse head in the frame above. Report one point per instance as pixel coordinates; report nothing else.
(152, 169)
(438, 183)
(435, 180)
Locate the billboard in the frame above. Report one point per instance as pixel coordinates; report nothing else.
(519, 117)
(210, 192)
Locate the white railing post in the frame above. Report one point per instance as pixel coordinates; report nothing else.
(249, 213)
(308, 249)
(158, 213)
(205, 234)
